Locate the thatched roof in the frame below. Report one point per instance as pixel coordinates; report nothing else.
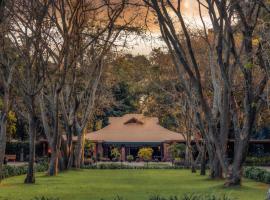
(134, 128)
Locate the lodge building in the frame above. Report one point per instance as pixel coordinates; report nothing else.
(131, 132)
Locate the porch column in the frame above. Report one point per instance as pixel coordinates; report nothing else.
(99, 149)
(95, 150)
(123, 153)
(166, 155)
(43, 149)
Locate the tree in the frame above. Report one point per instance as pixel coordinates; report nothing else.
(69, 21)
(219, 112)
(29, 20)
(79, 94)
(176, 150)
(8, 62)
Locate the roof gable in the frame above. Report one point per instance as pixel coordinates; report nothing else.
(134, 120)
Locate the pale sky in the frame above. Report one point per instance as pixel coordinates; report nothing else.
(144, 45)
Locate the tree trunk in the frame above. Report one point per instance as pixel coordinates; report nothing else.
(79, 150)
(30, 178)
(55, 141)
(2, 144)
(203, 161)
(55, 155)
(187, 156)
(3, 129)
(215, 168)
(53, 166)
(69, 149)
(240, 152)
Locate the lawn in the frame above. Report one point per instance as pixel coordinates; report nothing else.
(129, 184)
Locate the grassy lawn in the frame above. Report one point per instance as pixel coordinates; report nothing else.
(129, 184)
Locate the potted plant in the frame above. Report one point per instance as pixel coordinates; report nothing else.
(115, 154)
(130, 158)
(145, 154)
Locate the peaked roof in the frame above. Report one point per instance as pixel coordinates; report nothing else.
(134, 128)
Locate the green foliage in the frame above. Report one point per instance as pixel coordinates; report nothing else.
(130, 158)
(123, 166)
(248, 65)
(115, 153)
(198, 196)
(169, 120)
(89, 147)
(11, 125)
(1, 103)
(145, 153)
(257, 174)
(131, 184)
(193, 196)
(45, 198)
(10, 171)
(176, 150)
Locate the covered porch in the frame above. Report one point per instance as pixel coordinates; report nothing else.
(103, 150)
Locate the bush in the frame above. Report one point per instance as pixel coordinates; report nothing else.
(194, 196)
(130, 158)
(205, 197)
(145, 154)
(257, 174)
(20, 170)
(123, 166)
(45, 198)
(115, 153)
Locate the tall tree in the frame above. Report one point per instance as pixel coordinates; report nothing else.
(79, 94)
(224, 57)
(7, 66)
(66, 18)
(29, 29)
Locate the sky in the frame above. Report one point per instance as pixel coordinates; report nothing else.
(144, 44)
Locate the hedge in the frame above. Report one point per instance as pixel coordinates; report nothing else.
(10, 171)
(123, 166)
(257, 174)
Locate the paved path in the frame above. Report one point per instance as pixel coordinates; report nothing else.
(17, 163)
(139, 163)
(266, 168)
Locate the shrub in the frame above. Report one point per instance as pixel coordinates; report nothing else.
(177, 150)
(145, 154)
(257, 174)
(115, 154)
(199, 196)
(45, 198)
(130, 158)
(123, 166)
(20, 170)
(193, 196)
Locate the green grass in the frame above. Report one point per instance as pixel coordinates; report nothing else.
(129, 184)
